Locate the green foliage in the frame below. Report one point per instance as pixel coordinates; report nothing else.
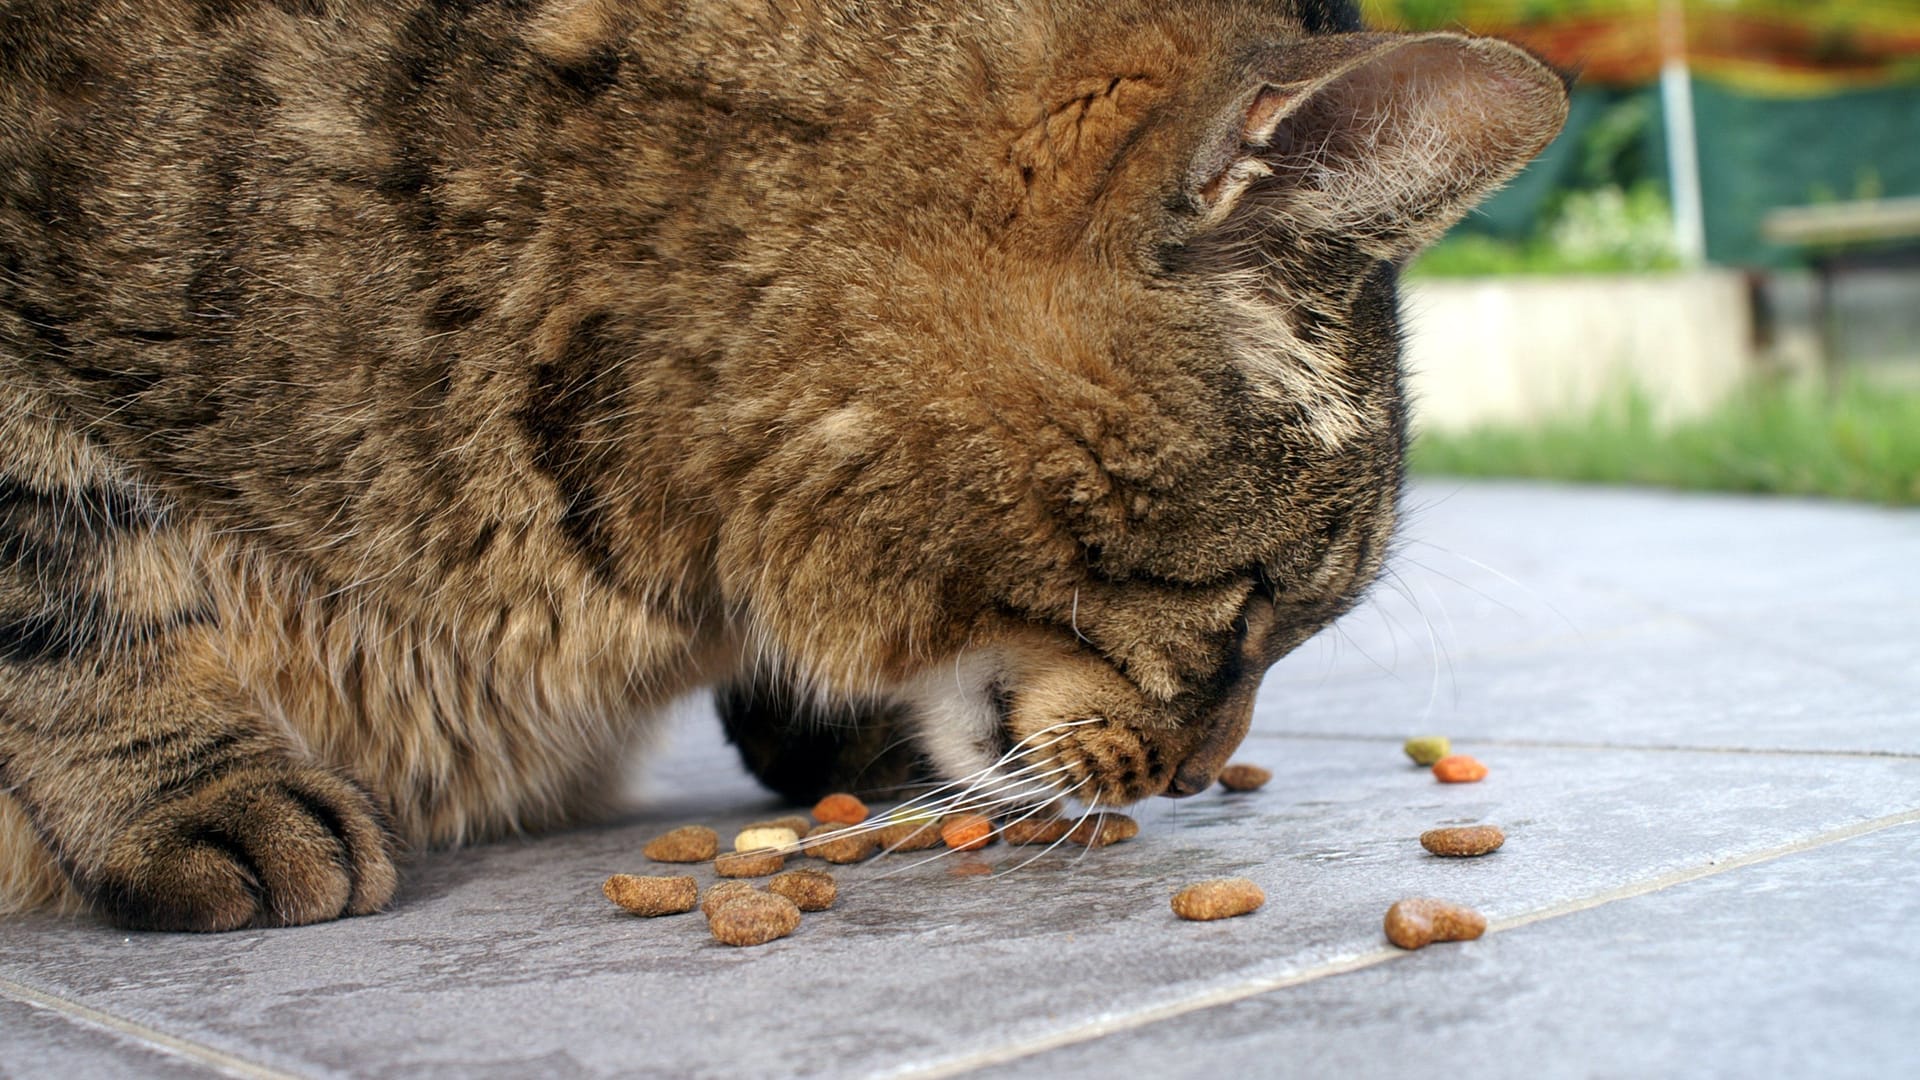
(1861, 442)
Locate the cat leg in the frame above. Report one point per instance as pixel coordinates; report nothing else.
(166, 797)
(803, 748)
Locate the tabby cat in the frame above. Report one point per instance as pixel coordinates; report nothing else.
(405, 400)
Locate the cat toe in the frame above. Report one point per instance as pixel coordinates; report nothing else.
(274, 847)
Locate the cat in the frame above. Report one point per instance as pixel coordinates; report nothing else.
(405, 400)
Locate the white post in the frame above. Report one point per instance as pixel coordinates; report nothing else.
(1683, 147)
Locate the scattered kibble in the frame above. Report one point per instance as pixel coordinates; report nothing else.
(753, 919)
(1241, 776)
(910, 835)
(757, 863)
(1099, 830)
(1036, 831)
(721, 892)
(687, 844)
(966, 832)
(825, 842)
(1415, 923)
(810, 890)
(778, 838)
(1427, 749)
(840, 808)
(1221, 898)
(652, 896)
(1463, 841)
(1459, 769)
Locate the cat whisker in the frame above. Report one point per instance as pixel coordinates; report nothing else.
(1018, 748)
(1024, 863)
(936, 856)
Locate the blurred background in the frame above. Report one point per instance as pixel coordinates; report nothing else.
(1712, 279)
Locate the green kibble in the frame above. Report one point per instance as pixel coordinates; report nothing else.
(1427, 749)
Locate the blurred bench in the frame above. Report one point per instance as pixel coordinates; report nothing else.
(1873, 234)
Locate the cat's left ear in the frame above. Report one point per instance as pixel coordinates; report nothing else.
(1387, 138)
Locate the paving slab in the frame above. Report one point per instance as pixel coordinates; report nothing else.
(1532, 612)
(506, 958)
(1798, 967)
(38, 1042)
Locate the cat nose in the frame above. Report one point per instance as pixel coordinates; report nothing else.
(1185, 783)
(1227, 725)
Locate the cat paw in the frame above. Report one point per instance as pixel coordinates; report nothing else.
(276, 846)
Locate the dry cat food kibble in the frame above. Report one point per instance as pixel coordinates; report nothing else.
(910, 835)
(1221, 898)
(1035, 831)
(721, 892)
(1459, 769)
(652, 895)
(766, 837)
(840, 808)
(1463, 841)
(810, 890)
(824, 842)
(689, 843)
(1414, 923)
(966, 832)
(1427, 749)
(753, 919)
(1099, 830)
(1241, 776)
(758, 863)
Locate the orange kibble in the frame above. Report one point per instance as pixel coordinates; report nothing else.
(966, 832)
(841, 809)
(1458, 769)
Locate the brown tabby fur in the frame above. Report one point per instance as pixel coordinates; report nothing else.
(404, 400)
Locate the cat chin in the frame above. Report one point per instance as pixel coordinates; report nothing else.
(957, 717)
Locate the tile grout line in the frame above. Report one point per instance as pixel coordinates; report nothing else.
(1550, 744)
(153, 1038)
(1228, 995)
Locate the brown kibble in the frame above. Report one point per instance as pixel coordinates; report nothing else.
(652, 896)
(1420, 921)
(689, 843)
(966, 832)
(840, 808)
(910, 835)
(824, 843)
(1220, 898)
(1459, 769)
(1241, 776)
(754, 920)
(757, 863)
(1035, 831)
(1099, 830)
(723, 892)
(810, 890)
(1464, 841)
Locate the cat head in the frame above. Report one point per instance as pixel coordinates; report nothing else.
(1097, 412)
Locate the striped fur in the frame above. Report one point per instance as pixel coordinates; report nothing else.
(405, 401)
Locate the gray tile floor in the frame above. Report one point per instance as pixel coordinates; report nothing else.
(1701, 715)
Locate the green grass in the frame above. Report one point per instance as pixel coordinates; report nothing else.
(1862, 442)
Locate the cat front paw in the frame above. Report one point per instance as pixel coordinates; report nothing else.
(266, 846)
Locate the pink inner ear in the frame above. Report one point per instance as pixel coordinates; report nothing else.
(1264, 115)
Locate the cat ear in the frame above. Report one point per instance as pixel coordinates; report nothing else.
(1387, 138)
